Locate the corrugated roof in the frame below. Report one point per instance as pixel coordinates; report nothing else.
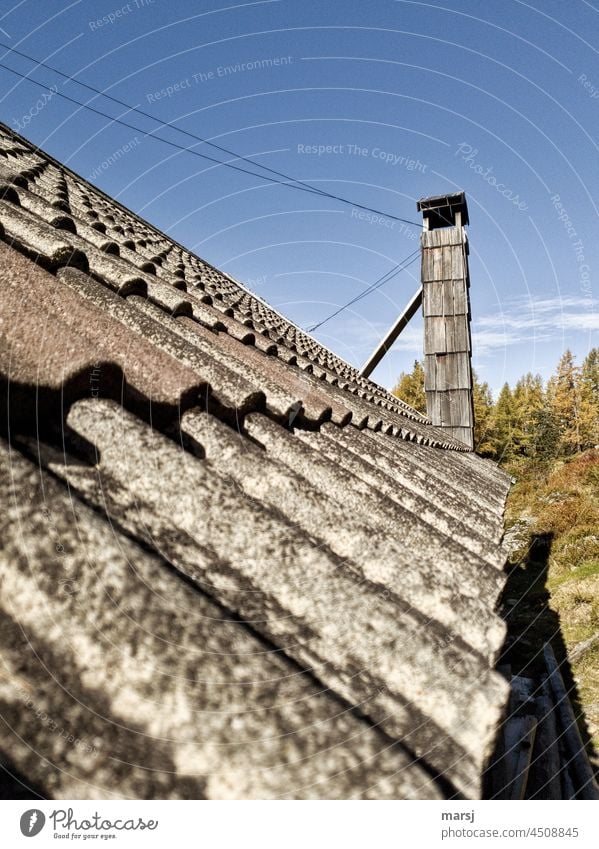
(233, 566)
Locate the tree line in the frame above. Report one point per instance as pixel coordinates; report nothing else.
(534, 419)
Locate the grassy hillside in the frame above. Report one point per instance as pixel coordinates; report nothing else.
(553, 531)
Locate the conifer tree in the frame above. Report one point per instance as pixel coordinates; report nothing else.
(546, 440)
(528, 401)
(410, 387)
(484, 438)
(530, 420)
(564, 401)
(589, 400)
(503, 424)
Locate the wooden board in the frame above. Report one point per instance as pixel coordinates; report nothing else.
(579, 765)
(518, 740)
(544, 774)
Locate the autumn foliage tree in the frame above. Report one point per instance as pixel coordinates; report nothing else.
(531, 419)
(528, 401)
(589, 399)
(563, 395)
(484, 438)
(503, 424)
(410, 387)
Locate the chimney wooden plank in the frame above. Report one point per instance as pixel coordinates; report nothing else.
(457, 262)
(446, 309)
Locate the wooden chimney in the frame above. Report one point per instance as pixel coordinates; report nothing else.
(446, 310)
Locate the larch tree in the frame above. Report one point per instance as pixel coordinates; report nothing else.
(589, 400)
(503, 424)
(546, 434)
(529, 420)
(410, 387)
(528, 400)
(484, 440)
(564, 400)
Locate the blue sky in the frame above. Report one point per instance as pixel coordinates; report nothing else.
(381, 102)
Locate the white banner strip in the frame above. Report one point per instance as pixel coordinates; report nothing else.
(300, 825)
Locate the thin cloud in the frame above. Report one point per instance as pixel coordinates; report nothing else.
(519, 321)
(363, 336)
(522, 320)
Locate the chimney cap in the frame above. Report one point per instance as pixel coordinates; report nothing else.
(440, 210)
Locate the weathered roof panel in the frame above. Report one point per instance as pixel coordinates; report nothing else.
(121, 680)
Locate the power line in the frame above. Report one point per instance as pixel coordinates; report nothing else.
(161, 122)
(290, 182)
(385, 278)
(147, 134)
(294, 184)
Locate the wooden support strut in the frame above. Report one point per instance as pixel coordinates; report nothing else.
(409, 312)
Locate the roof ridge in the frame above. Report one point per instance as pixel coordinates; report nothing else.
(244, 290)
